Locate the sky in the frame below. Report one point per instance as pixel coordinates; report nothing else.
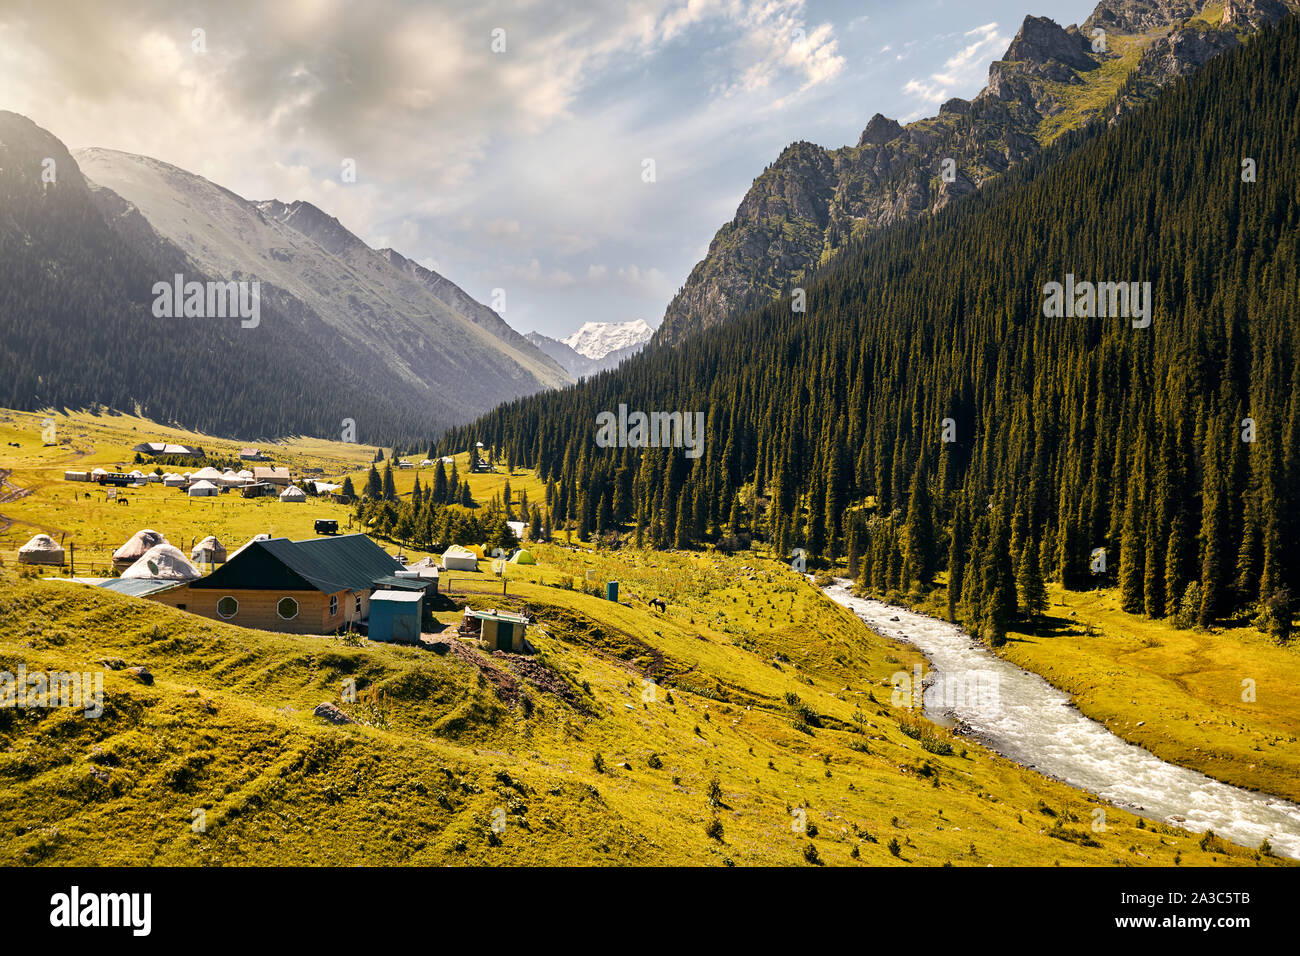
(564, 162)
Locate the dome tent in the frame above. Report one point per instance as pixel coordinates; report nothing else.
(203, 489)
(293, 494)
(209, 550)
(134, 549)
(523, 556)
(42, 549)
(163, 562)
(457, 558)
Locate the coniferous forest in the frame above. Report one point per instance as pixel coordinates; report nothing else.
(923, 421)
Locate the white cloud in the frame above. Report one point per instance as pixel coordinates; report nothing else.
(963, 69)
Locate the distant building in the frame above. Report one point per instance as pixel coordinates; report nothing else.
(252, 454)
(276, 476)
(167, 448)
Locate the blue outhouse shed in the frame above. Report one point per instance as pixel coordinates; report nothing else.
(395, 616)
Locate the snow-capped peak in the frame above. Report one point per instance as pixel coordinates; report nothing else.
(597, 339)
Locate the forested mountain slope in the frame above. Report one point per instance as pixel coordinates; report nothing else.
(813, 202)
(1174, 447)
(77, 327)
(344, 332)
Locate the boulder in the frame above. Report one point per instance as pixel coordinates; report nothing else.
(331, 713)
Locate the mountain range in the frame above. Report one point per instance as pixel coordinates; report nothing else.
(596, 346)
(346, 331)
(809, 204)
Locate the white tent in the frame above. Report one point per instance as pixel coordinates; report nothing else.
(136, 547)
(203, 489)
(164, 562)
(153, 477)
(42, 549)
(246, 475)
(173, 481)
(230, 479)
(209, 550)
(457, 558)
(206, 474)
(293, 493)
(137, 474)
(98, 471)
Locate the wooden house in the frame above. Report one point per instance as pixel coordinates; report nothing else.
(275, 476)
(301, 587)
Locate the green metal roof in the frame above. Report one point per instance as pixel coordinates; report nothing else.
(392, 582)
(349, 562)
(497, 616)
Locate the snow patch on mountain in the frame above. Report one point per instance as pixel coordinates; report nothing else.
(597, 339)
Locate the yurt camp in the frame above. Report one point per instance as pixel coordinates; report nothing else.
(457, 558)
(134, 549)
(209, 551)
(163, 562)
(42, 549)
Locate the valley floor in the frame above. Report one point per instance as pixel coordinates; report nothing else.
(749, 723)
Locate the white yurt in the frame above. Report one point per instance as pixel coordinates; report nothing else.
(209, 551)
(97, 472)
(173, 481)
(42, 549)
(230, 479)
(206, 474)
(203, 489)
(293, 493)
(134, 549)
(246, 475)
(256, 537)
(164, 562)
(153, 477)
(457, 558)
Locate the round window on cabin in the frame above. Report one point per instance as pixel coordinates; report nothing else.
(227, 607)
(287, 608)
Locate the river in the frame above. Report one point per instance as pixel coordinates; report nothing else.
(1033, 723)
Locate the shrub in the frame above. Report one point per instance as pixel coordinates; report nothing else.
(894, 847)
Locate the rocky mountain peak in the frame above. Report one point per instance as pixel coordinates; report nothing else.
(879, 131)
(1043, 41)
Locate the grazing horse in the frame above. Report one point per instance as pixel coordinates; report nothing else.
(656, 602)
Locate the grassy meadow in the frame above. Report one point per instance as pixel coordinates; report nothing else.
(749, 723)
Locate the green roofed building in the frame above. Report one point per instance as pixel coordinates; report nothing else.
(315, 586)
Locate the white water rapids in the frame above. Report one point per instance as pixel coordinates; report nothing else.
(1031, 722)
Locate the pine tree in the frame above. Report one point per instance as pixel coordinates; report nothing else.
(1033, 591)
